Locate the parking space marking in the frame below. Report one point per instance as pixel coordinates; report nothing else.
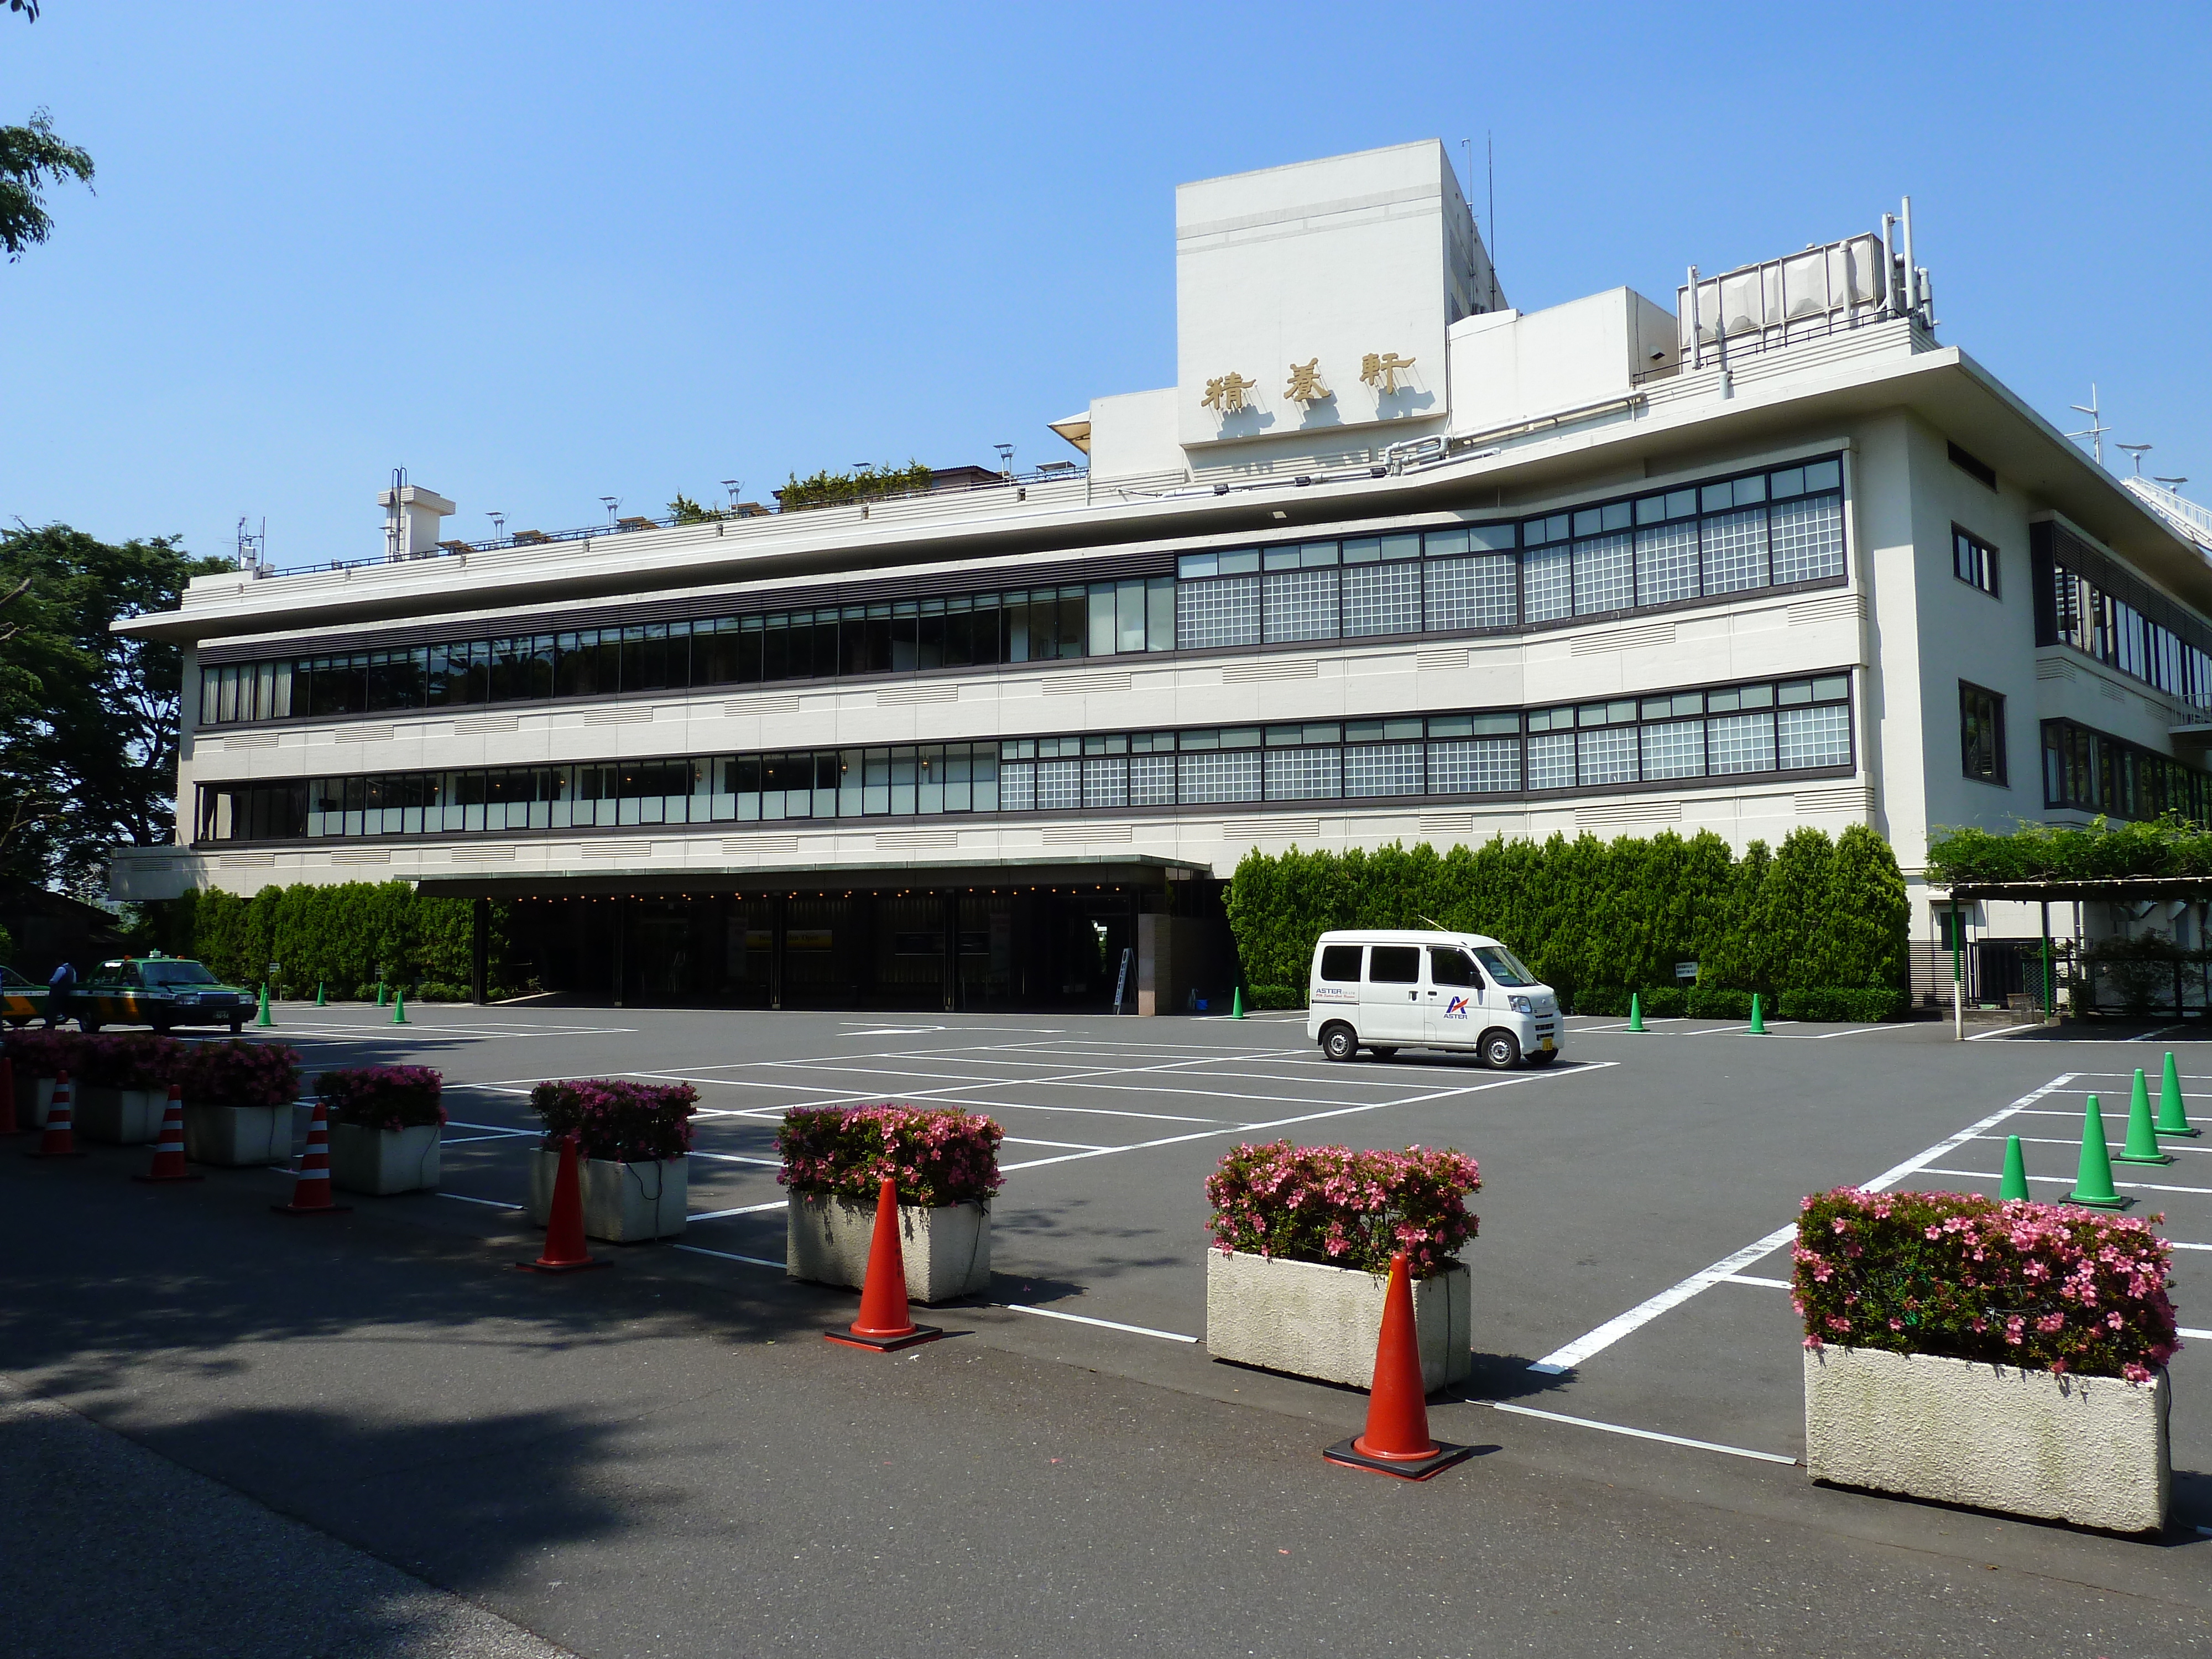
(742, 1209)
(1636, 1434)
(2177, 1244)
(2068, 1140)
(733, 1157)
(1103, 1324)
(730, 1256)
(2004, 1030)
(2067, 1180)
(490, 1203)
(1763, 1283)
(1596, 1341)
(2200, 1336)
(493, 1128)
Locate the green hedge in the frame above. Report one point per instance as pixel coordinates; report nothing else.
(2167, 846)
(343, 938)
(1823, 918)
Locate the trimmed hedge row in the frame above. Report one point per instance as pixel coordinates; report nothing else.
(1821, 922)
(343, 937)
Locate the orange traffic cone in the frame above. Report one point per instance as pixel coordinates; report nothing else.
(8, 1097)
(884, 1324)
(1397, 1440)
(311, 1194)
(169, 1150)
(60, 1139)
(564, 1251)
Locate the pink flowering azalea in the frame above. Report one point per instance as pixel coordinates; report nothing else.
(936, 1156)
(1340, 1207)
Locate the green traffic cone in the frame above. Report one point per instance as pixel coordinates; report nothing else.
(380, 994)
(2093, 1182)
(399, 1006)
(2014, 1184)
(319, 1002)
(1236, 1002)
(1758, 1017)
(2142, 1139)
(1635, 1012)
(264, 1019)
(2172, 1115)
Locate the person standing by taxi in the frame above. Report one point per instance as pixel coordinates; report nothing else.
(59, 984)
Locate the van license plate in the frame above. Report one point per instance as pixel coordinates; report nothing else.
(1547, 1043)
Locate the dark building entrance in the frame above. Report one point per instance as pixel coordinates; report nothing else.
(937, 948)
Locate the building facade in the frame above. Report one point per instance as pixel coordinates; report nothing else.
(1392, 561)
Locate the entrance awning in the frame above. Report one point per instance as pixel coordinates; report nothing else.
(603, 877)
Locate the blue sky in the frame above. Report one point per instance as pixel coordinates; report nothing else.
(541, 254)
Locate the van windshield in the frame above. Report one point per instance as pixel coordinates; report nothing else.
(1504, 967)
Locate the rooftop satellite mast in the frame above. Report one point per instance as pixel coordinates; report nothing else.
(253, 546)
(2095, 431)
(2135, 451)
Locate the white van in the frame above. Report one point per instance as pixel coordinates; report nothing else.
(1387, 990)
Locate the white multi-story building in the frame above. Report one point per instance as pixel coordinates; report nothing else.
(1391, 562)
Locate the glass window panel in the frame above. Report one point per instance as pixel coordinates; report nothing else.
(1153, 779)
(1102, 619)
(1239, 737)
(1674, 750)
(1548, 584)
(1300, 605)
(1750, 491)
(1821, 736)
(1551, 761)
(1363, 550)
(1667, 563)
(1382, 768)
(1210, 615)
(1477, 591)
(1808, 539)
(1790, 480)
(1382, 599)
(1059, 786)
(1605, 575)
(1589, 521)
(1220, 776)
(1106, 783)
(1444, 543)
(1739, 743)
(1735, 551)
(1830, 689)
(1160, 613)
(1491, 537)
(1317, 555)
(1193, 566)
(1304, 773)
(1826, 475)
(1474, 766)
(1244, 562)
(1606, 756)
(1614, 515)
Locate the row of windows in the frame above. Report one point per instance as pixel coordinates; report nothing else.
(2091, 772)
(2096, 623)
(1726, 732)
(1767, 528)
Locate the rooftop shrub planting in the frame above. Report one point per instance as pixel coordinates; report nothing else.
(616, 1119)
(2099, 851)
(1344, 1208)
(239, 1073)
(2040, 1287)
(383, 1096)
(936, 1155)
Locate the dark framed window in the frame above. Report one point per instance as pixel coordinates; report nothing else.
(1981, 733)
(1973, 562)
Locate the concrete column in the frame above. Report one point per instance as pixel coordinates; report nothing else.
(776, 914)
(480, 950)
(620, 955)
(952, 913)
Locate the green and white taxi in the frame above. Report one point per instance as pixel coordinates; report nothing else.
(161, 992)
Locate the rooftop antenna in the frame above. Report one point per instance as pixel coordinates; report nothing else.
(2095, 431)
(732, 485)
(392, 516)
(1490, 164)
(1006, 459)
(253, 550)
(611, 502)
(2138, 452)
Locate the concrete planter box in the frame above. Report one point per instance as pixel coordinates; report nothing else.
(623, 1203)
(383, 1161)
(238, 1135)
(125, 1117)
(947, 1247)
(2093, 1451)
(34, 1097)
(1315, 1321)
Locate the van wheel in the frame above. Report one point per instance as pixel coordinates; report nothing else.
(1339, 1042)
(1501, 1050)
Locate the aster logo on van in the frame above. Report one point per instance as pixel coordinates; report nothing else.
(1455, 1009)
(1334, 994)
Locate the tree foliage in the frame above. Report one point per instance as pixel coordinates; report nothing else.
(834, 488)
(31, 158)
(89, 719)
(1595, 917)
(2099, 851)
(347, 936)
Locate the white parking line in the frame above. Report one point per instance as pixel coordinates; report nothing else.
(2177, 1244)
(1753, 1279)
(730, 1256)
(1637, 1434)
(491, 1203)
(742, 1209)
(2067, 1180)
(1103, 1324)
(2200, 1336)
(1728, 1266)
(735, 1157)
(2004, 1030)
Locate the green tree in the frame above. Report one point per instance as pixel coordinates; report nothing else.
(31, 158)
(89, 718)
(685, 510)
(1862, 940)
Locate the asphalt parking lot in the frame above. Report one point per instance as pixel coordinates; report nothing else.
(1633, 1325)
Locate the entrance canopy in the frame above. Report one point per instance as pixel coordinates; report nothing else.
(601, 878)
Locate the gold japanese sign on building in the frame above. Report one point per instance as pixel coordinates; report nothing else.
(1305, 386)
(1225, 393)
(1382, 370)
